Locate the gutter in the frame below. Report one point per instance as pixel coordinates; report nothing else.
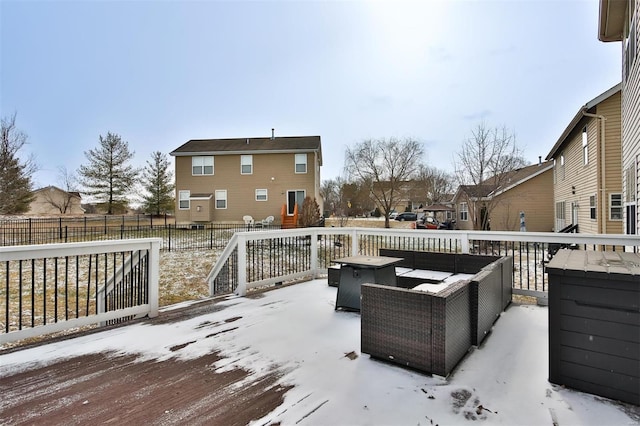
(603, 176)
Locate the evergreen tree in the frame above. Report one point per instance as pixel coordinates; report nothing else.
(310, 212)
(16, 192)
(157, 180)
(108, 177)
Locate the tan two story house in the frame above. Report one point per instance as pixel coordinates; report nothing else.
(588, 168)
(52, 200)
(620, 21)
(223, 180)
(506, 202)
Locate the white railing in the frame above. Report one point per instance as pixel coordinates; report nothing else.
(49, 288)
(253, 252)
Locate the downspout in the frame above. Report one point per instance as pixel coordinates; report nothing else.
(603, 176)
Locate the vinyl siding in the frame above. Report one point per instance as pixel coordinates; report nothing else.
(533, 197)
(611, 109)
(241, 199)
(580, 181)
(631, 109)
(583, 181)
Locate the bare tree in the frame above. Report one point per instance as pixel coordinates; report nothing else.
(63, 200)
(330, 192)
(386, 165)
(16, 186)
(436, 184)
(336, 194)
(485, 163)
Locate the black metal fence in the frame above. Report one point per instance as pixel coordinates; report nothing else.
(174, 237)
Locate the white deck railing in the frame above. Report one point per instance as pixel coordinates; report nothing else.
(54, 287)
(250, 258)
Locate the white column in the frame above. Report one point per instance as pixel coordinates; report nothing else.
(241, 290)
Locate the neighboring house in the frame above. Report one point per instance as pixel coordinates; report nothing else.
(227, 179)
(52, 200)
(588, 174)
(526, 191)
(619, 21)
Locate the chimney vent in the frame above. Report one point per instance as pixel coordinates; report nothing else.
(273, 135)
(539, 160)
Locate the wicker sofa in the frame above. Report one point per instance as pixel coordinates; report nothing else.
(432, 332)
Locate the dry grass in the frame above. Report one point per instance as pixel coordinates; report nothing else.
(183, 275)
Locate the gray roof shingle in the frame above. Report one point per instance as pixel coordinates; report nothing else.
(250, 145)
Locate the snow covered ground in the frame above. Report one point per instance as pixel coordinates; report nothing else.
(295, 330)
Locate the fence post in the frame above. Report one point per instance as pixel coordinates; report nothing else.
(465, 243)
(30, 230)
(354, 242)
(154, 277)
(241, 290)
(169, 237)
(314, 253)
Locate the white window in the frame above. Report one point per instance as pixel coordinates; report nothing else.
(202, 166)
(246, 164)
(183, 200)
(592, 207)
(615, 206)
(562, 166)
(261, 195)
(301, 163)
(221, 199)
(585, 147)
(560, 215)
(464, 211)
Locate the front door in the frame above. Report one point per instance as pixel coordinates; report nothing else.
(294, 197)
(574, 213)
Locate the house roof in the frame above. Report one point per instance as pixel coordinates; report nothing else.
(514, 178)
(284, 144)
(589, 107)
(522, 175)
(438, 208)
(611, 20)
(44, 188)
(475, 191)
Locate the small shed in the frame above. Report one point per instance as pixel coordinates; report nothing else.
(594, 322)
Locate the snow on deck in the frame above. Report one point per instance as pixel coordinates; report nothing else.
(314, 352)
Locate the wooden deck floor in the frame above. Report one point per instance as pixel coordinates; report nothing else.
(283, 357)
(112, 388)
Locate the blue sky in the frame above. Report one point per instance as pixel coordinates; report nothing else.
(159, 73)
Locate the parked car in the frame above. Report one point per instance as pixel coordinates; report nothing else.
(407, 216)
(393, 214)
(427, 222)
(448, 224)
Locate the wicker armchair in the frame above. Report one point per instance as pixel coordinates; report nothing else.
(425, 331)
